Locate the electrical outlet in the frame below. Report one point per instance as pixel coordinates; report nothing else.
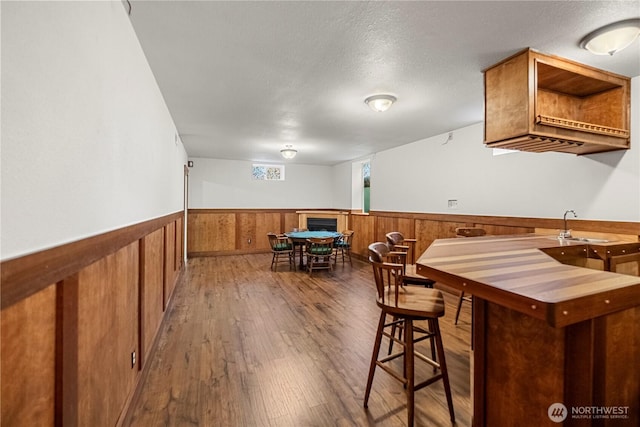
(452, 204)
(133, 359)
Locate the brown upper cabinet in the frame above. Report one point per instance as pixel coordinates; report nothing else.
(537, 102)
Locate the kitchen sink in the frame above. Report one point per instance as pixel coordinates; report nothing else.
(585, 239)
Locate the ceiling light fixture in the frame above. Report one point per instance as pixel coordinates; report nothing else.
(380, 103)
(611, 38)
(288, 152)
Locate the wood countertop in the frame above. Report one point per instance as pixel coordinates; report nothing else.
(514, 272)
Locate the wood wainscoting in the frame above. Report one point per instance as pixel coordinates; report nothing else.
(79, 322)
(227, 231)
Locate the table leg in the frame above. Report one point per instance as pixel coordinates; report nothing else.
(300, 246)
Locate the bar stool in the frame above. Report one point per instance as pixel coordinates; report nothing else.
(407, 305)
(398, 243)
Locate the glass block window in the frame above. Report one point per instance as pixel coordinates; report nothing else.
(268, 172)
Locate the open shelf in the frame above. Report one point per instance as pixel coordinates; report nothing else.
(538, 102)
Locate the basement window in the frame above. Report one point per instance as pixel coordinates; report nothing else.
(268, 172)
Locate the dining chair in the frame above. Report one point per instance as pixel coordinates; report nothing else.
(416, 310)
(398, 243)
(319, 253)
(466, 232)
(282, 250)
(343, 246)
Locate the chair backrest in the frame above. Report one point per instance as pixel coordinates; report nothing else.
(320, 246)
(378, 252)
(397, 242)
(278, 242)
(385, 274)
(470, 232)
(395, 238)
(273, 239)
(347, 237)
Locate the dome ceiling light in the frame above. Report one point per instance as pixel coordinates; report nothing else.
(611, 38)
(380, 103)
(288, 152)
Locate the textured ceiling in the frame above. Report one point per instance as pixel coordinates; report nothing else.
(243, 79)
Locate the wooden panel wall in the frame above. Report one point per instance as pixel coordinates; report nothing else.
(67, 345)
(170, 266)
(252, 229)
(290, 221)
(223, 231)
(210, 232)
(226, 231)
(363, 227)
(28, 369)
(151, 289)
(107, 336)
(179, 246)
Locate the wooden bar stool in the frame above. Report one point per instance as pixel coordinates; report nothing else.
(407, 305)
(398, 243)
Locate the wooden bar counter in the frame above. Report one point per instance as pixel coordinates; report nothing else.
(544, 332)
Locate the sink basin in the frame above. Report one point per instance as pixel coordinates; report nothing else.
(585, 239)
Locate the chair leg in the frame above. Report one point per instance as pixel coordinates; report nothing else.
(409, 359)
(374, 357)
(393, 334)
(432, 342)
(460, 300)
(443, 369)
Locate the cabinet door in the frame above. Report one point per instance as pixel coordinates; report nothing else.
(625, 264)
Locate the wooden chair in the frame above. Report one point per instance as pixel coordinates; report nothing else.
(407, 305)
(282, 249)
(319, 253)
(343, 246)
(466, 232)
(398, 243)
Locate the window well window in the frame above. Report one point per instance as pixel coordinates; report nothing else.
(268, 172)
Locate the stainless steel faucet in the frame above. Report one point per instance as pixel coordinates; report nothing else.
(566, 233)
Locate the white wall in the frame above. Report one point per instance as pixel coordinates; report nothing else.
(604, 186)
(341, 193)
(87, 140)
(216, 183)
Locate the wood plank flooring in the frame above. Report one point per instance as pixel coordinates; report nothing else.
(245, 346)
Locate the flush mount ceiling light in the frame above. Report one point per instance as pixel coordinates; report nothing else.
(380, 103)
(288, 152)
(611, 38)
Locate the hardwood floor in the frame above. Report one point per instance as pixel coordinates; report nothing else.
(245, 346)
